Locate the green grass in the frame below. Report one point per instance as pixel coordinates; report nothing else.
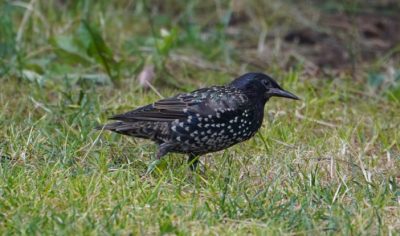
(329, 163)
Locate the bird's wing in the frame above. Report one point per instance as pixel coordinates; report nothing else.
(207, 101)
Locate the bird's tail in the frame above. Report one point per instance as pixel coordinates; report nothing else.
(110, 126)
(136, 129)
(116, 126)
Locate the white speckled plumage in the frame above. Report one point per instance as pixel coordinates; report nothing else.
(205, 120)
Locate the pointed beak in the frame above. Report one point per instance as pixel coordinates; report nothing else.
(282, 93)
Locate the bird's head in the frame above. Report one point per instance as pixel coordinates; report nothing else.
(261, 86)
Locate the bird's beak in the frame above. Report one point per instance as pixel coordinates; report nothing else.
(282, 93)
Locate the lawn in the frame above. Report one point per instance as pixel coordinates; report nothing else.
(327, 164)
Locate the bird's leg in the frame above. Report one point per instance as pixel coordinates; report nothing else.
(163, 149)
(193, 161)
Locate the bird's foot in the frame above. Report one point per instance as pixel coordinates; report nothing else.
(152, 166)
(196, 165)
(162, 151)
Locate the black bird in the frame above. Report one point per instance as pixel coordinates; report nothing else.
(205, 120)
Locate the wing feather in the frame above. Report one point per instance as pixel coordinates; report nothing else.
(203, 101)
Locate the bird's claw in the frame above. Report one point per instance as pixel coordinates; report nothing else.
(152, 166)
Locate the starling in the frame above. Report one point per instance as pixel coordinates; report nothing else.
(205, 120)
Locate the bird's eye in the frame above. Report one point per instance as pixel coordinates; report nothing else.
(265, 83)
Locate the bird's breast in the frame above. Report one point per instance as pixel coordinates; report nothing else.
(200, 133)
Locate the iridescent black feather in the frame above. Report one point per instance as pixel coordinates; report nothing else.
(205, 120)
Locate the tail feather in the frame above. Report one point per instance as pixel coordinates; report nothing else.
(148, 130)
(110, 126)
(119, 127)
